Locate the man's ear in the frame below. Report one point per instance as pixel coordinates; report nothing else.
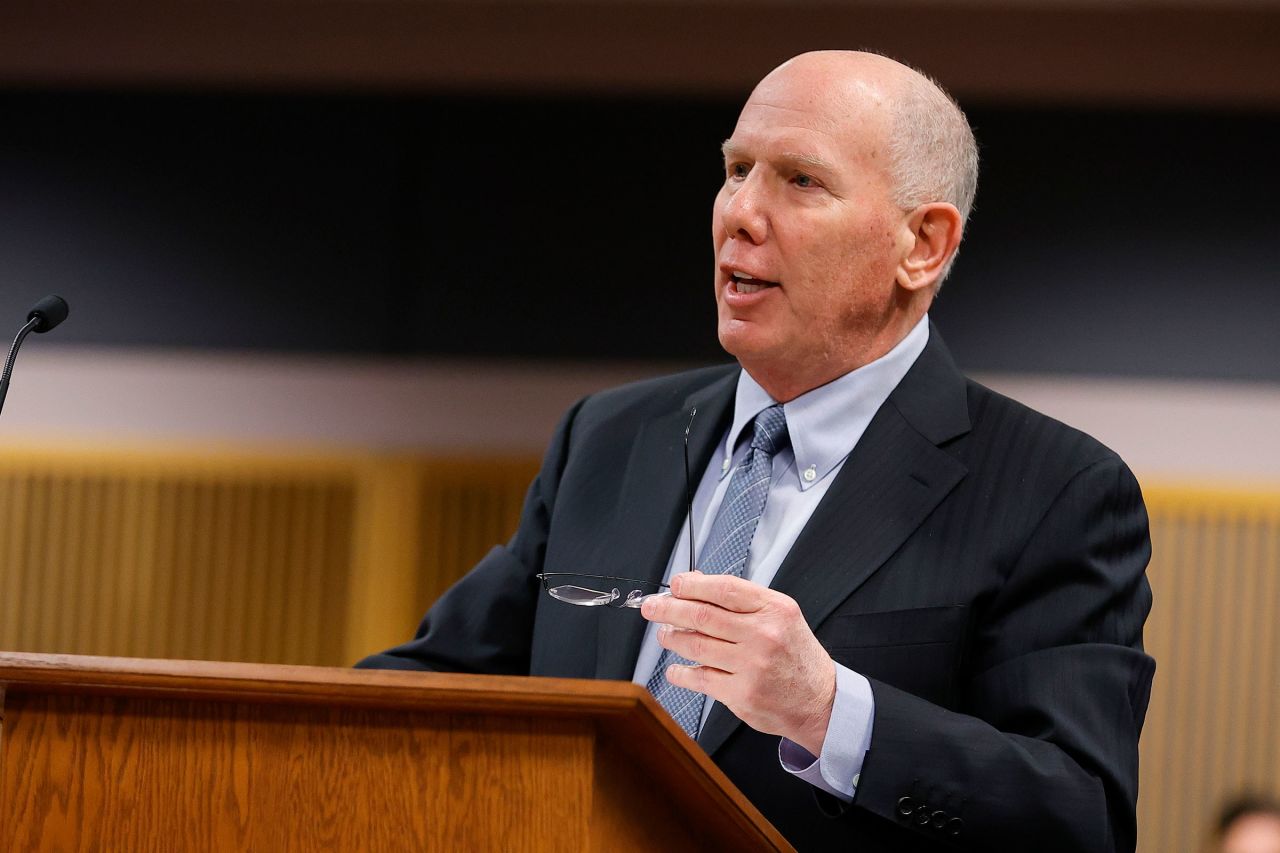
(934, 235)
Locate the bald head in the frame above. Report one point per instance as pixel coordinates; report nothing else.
(837, 218)
(931, 152)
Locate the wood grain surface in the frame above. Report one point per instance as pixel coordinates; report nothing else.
(117, 754)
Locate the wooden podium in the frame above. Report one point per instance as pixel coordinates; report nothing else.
(134, 754)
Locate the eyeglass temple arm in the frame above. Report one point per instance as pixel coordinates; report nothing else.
(688, 482)
(543, 576)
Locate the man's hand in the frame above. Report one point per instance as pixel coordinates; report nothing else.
(756, 653)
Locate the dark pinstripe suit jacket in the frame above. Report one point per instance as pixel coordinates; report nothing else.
(982, 564)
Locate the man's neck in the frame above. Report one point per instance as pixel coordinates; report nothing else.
(784, 383)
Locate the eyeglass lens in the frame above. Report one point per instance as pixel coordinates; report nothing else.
(584, 597)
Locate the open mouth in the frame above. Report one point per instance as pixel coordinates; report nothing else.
(744, 283)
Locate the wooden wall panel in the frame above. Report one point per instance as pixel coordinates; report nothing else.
(178, 558)
(1215, 705)
(421, 524)
(470, 505)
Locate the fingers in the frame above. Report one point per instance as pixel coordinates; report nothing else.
(754, 651)
(701, 679)
(710, 604)
(701, 648)
(697, 616)
(727, 591)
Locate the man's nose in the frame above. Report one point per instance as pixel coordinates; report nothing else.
(745, 213)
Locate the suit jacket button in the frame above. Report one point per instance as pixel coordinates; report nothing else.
(906, 807)
(938, 819)
(922, 814)
(954, 826)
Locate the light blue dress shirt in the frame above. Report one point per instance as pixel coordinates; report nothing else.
(824, 425)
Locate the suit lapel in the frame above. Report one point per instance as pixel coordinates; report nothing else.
(654, 506)
(892, 480)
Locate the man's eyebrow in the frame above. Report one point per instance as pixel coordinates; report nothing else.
(734, 152)
(810, 160)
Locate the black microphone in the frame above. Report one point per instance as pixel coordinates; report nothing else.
(49, 312)
(42, 317)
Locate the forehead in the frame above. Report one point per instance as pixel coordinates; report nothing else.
(835, 119)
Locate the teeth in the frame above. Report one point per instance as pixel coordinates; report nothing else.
(743, 275)
(743, 287)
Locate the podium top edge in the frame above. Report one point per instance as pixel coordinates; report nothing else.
(27, 673)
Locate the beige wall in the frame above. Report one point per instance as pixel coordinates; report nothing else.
(1167, 430)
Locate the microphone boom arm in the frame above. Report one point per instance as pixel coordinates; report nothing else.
(13, 355)
(46, 314)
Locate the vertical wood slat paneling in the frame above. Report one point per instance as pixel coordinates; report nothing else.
(1215, 705)
(155, 557)
(468, 506)
(254, 559)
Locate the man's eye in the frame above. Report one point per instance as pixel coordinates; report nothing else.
(739, 170)
(805, 181)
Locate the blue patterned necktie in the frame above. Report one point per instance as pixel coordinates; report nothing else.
(726, 549)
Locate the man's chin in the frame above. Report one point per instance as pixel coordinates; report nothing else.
(746, 334)
(748, 346)
(742, 342)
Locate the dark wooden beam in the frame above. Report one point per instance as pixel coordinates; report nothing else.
(1207, 53)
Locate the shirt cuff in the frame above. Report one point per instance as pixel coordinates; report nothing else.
(848, 738)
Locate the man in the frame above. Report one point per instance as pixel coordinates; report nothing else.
(1249, 825)
(920, 604)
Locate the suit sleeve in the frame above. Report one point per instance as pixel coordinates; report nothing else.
(1042, 751)
(484, 622)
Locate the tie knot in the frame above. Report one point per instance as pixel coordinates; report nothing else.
(770, 430)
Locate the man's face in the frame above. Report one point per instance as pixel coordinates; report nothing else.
(806, 210)
(1253, 833)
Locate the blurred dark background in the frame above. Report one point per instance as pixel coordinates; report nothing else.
(1135, 241)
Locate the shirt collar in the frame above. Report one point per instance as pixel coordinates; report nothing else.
(824, 424)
